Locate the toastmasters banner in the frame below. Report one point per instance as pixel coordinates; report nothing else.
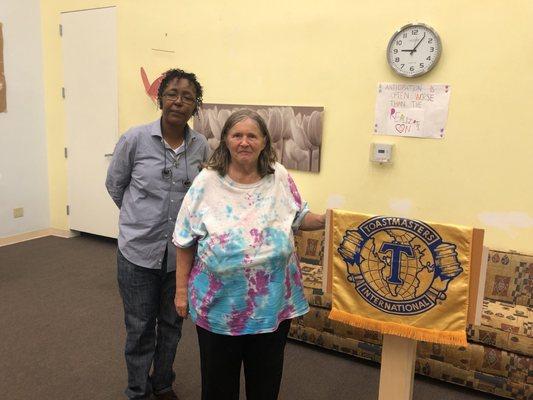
(400, 276)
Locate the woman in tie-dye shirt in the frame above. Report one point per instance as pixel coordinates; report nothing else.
(238, 273)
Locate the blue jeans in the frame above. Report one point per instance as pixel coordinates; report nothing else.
(152, 325)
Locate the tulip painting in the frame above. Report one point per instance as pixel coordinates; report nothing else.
(296, 131)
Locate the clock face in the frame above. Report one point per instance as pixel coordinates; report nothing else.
(414, 50)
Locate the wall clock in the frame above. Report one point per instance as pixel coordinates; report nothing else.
(414, 50)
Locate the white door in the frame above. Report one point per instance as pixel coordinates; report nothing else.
(91, 105)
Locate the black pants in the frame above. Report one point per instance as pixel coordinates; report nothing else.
(221, 357)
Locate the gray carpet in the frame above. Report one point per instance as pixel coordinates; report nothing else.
(62, 335)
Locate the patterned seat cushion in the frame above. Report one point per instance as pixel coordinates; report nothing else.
(317, 298)
(483, 359)
(478, 380)
(312, 275)
(505, 326)
(515, 319)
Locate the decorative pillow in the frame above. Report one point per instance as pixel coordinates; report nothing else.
(500, 284)
(510, 278)
(310, 246)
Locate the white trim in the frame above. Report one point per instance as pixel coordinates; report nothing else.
(64, 233)
(22, 237)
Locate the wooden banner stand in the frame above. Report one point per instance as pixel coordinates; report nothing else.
(398, 354)
(397, 373)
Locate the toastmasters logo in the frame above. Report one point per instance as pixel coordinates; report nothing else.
(398, 265)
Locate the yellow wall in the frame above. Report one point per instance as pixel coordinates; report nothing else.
(332, 54)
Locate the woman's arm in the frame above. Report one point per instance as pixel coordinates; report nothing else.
(313, 222)
(184, 260)
(119, 170)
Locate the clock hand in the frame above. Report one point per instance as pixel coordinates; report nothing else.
(420, 41)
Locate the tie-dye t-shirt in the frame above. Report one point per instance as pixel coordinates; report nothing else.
(245, 278)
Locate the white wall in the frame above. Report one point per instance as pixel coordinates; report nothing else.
(23, 164)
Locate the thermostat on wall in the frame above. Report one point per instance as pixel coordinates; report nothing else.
(381, 152)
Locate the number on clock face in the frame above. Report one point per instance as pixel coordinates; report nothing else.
(414, 50)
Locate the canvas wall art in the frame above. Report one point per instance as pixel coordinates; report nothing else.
(3, 105)
(296, 131)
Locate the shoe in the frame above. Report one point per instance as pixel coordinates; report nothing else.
(170, 395)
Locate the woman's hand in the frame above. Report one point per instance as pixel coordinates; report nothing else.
(181, 303)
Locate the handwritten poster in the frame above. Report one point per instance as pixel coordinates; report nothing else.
(2, 78)
(415, 110)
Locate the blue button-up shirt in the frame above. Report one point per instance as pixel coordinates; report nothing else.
(149, 197)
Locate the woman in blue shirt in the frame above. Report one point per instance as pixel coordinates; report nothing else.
(152, 168)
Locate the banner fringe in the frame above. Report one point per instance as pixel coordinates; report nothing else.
(456, 338)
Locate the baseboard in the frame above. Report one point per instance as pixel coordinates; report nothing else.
(22, 237)
(64, 233)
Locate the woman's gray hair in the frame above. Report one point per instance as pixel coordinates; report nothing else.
(221, 157)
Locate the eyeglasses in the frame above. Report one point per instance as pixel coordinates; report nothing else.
(185, 98)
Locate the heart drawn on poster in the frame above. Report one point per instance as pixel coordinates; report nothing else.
(400, 128)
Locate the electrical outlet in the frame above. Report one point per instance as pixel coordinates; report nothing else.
(18, 212)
